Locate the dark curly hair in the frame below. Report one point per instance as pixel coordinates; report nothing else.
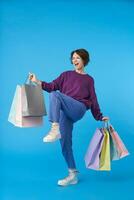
(83, 53)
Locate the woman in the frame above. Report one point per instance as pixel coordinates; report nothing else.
(75, 95)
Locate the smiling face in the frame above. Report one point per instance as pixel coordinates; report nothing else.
(77, 62)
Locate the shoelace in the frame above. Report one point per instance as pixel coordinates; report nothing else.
(53, 129)
(69, 177)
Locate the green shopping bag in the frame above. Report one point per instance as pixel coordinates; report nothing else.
(105, 163)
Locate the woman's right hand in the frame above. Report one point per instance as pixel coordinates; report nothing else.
(32, 77)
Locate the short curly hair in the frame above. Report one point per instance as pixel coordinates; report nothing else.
(83, 53)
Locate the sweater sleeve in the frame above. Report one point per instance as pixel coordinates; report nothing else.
(54, 85)
(95, 108)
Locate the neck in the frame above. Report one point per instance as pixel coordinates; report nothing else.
(80, 71)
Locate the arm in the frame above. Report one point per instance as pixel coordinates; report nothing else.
(54, 85)
(49, 87)
(95, 108)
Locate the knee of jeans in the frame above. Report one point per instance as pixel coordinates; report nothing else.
(53, 94)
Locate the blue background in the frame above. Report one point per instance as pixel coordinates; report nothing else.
(38, 36)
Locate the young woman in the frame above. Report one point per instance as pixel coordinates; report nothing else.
(71, 95)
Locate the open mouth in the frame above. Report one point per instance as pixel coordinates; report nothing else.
(76, 64)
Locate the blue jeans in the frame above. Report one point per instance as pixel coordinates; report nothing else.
(65, 110)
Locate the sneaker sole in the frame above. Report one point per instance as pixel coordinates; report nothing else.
(57, 138)
(71, 183)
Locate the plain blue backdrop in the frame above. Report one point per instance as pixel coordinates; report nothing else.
(38, 36)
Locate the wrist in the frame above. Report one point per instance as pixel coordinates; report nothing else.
(38, 82)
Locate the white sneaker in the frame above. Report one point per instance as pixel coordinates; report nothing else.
(71, 179)
(54, 133)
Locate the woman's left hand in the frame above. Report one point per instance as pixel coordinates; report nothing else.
(105, 119)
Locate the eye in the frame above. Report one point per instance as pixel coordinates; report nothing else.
(73, 58)
(78, 59)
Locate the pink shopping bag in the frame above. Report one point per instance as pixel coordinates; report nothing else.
(121, 148)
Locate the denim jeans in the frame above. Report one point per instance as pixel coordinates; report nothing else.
(66, 111)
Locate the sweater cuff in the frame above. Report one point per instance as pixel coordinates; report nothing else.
(99, 118)
(43, 85)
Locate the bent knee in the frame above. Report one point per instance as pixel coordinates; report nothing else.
(52, 94)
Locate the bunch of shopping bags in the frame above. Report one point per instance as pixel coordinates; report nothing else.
(28, 106)
(105, 146)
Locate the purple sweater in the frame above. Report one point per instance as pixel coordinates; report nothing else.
(78, 86)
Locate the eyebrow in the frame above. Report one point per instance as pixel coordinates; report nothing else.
(76, 57)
